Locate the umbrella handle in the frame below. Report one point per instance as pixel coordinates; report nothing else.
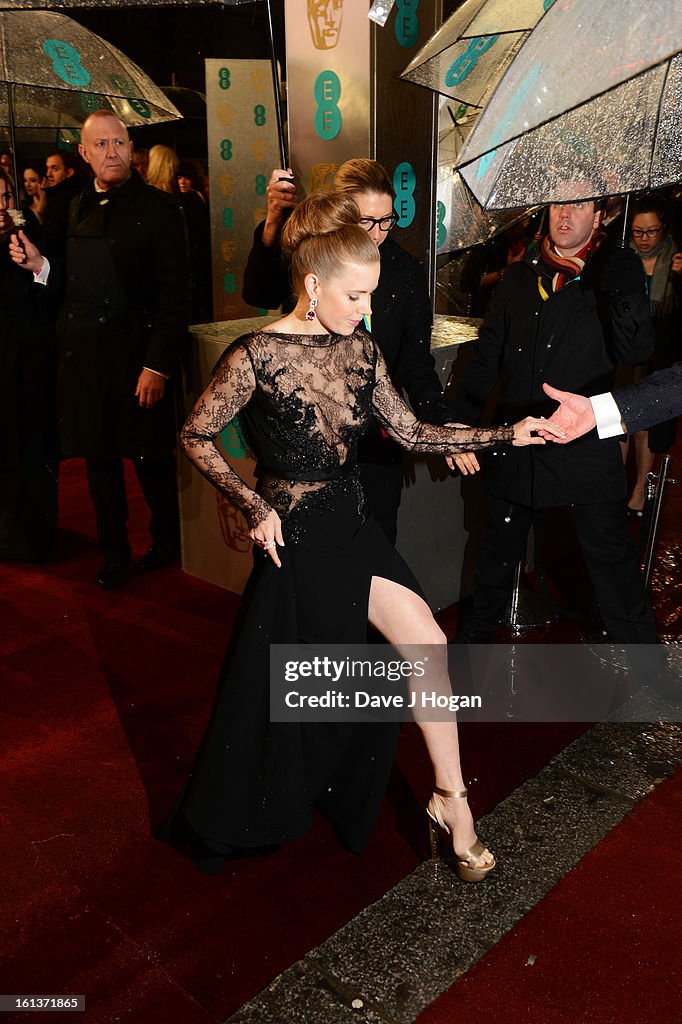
(623, 244)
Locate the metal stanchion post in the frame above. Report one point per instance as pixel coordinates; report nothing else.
(656, 509)
(527, 610)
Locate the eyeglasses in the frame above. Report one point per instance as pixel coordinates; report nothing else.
(646, 232)
(6, 198)
(383, 223)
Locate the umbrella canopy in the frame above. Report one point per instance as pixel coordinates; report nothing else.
(54, 72)
(597, 117)
(38, 5)
(461, 220)
(464, 60)
(471, 51)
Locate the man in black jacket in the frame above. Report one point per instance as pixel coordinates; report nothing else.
(564, 314)
(121, 326)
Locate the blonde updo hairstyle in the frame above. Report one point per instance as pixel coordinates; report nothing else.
(321, 234)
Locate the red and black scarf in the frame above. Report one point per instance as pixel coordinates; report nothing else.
(568, 267)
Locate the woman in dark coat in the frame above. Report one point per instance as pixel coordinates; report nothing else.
(28, 462)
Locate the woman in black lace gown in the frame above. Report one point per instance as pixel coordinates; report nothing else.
(306, 388)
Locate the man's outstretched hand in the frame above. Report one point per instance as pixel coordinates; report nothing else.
(574, 415)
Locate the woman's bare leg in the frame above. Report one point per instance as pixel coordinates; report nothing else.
(403, 618)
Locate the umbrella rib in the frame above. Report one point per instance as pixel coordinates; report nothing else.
(568, 110)
(658, 121)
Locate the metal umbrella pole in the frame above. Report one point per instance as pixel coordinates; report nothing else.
(13, 144)
(276, 87)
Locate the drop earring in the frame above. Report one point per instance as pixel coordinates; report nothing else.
(311, 314)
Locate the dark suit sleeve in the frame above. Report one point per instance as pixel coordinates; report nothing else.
(266, 278)
(171, 279)
(482, 372)
(655, 399)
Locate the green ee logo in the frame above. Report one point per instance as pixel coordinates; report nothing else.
(441, 230)
(404, 183)
(233, 440)
(328, 118)
(407, 23)
(226, 149)
(66, 62)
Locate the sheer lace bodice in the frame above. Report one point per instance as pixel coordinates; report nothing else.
(305, 400)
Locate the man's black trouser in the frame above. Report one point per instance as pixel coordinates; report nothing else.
(107, 489)
(609, 553)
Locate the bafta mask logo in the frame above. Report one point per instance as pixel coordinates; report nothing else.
(324, 20)
(322, 176)
(233, 525)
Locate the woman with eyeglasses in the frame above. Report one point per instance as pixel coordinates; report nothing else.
(662, 264)
(400, 321)
(28, 460)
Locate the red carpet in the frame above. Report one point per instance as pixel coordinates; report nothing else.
(105, 696)
(605, 942)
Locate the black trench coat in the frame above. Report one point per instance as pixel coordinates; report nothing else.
(126, 307)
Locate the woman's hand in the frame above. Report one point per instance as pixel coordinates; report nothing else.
(267, 535)
(524, 431)
(465, 462)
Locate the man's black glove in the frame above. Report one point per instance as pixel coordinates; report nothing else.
(623, 273)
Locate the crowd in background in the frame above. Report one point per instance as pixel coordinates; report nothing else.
(51, 199)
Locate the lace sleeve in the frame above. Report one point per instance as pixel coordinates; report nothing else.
(404, 427)
(229, 389)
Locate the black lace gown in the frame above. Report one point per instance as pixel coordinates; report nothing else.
(304, 401)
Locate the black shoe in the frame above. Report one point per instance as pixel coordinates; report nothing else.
(113, 573)
(158, 555)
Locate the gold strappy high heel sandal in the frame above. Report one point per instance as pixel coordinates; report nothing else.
(467, 868)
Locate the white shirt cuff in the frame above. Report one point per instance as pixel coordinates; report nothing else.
(157, 372)
(607, 414)
(44, 272)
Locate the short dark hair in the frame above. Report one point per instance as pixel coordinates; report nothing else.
(649, 204)
(68, 159)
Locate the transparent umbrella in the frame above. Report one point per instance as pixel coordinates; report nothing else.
(469, 53)
(35, 5)
(464, 61)
(590, 107)
(461, 220)
(54, 72)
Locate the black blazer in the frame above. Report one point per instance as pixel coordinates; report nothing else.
(655, 399)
